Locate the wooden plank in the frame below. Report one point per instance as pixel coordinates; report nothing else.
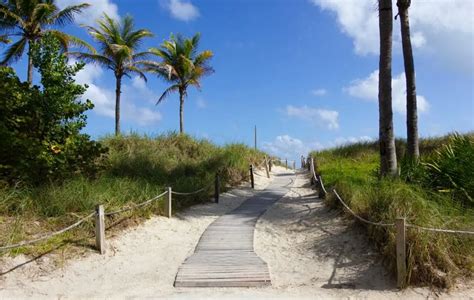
(224, 255)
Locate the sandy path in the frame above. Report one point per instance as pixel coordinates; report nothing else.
(311, 252)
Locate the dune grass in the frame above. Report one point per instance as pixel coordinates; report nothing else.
(435, 259)
(135, 169)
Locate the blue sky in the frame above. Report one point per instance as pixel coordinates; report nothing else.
(304, 72)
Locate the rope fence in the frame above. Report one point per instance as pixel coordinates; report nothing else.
(400, 223)
(100, 214)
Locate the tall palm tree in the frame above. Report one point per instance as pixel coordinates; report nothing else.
(388, 156)
(181, 65)
(118, 51)
(413, 150)
(30, 20)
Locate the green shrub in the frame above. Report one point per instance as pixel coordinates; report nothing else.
(40, 126)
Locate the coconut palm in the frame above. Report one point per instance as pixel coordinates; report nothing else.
(118, 42)
(182, 66)
(30, 20)
(388, 157)
(413, 150)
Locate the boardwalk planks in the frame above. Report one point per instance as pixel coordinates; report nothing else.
(224, 256)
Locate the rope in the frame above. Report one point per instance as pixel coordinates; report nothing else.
(358, 217)
(47, 236)
(190, 193)
(136, 206)
(440, 230)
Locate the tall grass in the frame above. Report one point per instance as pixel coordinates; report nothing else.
(433, 258)
(135, 169)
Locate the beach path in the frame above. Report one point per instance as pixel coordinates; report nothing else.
(224, 256)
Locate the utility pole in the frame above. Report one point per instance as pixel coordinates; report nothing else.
(255, 135)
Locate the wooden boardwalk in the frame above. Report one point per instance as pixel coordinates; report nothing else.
(224, 256)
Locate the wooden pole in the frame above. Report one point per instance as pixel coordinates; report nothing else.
(311, 170)
(270, 164)
(252, 183)
(100, 229)
(168, 202)
(401, 252)
(266, 167)
(255, 137)
(217, 188)
(286, 163)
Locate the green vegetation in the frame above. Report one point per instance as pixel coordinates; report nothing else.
(40, 126)
(30, 20)
(181, 66)
(135, 169)
(436, 192)
(118, 43)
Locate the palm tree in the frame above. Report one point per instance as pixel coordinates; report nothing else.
(118, 45)
(413, 150)
(181, 65)
(388, 156)
(30, 20)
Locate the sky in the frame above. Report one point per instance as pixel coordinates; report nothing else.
(303, 71)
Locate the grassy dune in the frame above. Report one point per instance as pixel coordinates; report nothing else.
(135, 169)
(433, 258)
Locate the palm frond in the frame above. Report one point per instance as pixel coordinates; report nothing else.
(137, 71)
(66, 15)
(67, 40)
(14, 52)
(93, 58)
(169, 90)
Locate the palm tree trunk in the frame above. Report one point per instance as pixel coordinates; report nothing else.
(118, 91)
(412, 114)
(388, 156)
(29, 78)
(181, 112)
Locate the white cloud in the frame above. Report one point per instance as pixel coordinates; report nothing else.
(327, 118)
(319, 92)
(94, 12)
(104, 98)
(367, 89)
(444, 29)
(285, 146)
(182, 10)
(350, 140)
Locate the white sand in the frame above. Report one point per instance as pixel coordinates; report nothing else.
(311, 252)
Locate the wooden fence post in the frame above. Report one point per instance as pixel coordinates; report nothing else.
(270, 164)
(266, 167)
(217, 188)
(252, 183)
(168, 207)
(100, 229)
(286, 163)
(401, 252)
(311, 166)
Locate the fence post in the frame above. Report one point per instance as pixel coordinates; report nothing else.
(294, 165)
(311, 169)
(286, 163)
(252, 183)
(168, 203)
(401, 252)
(217, 188)
(266, 167)
(270, 163)
(100, 229)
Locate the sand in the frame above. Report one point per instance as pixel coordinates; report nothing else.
(312, 253)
